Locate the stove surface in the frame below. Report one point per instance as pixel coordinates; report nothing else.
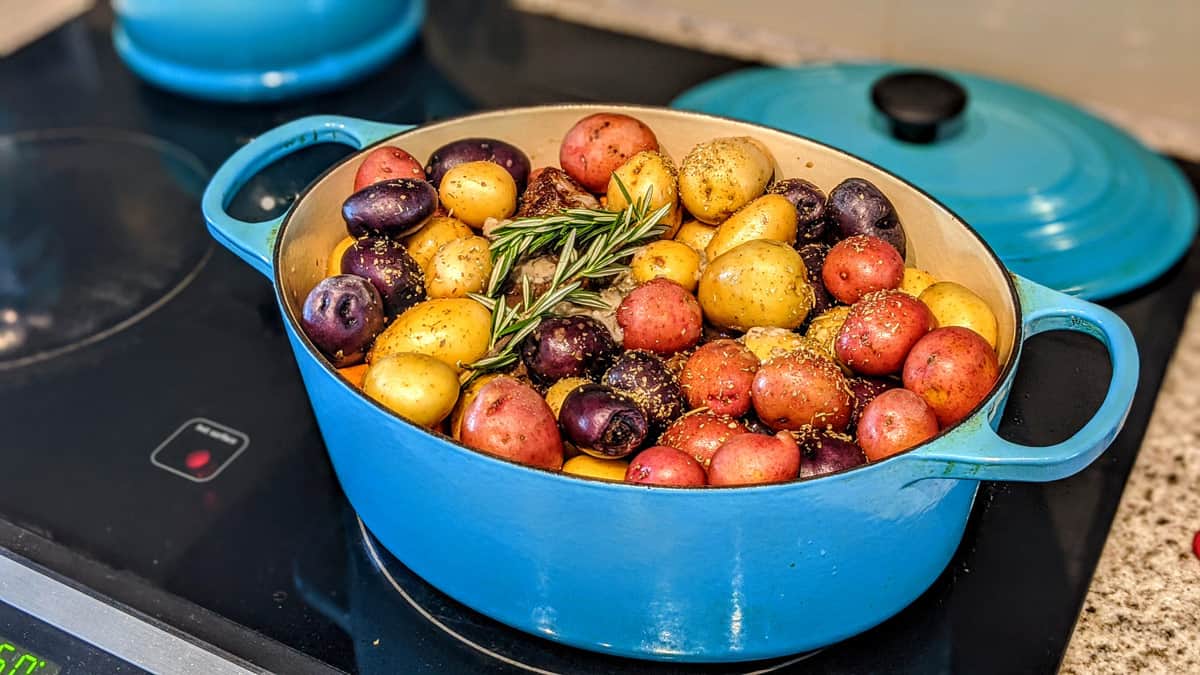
(160, 448)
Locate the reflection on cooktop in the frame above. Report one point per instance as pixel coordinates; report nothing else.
(97, 229)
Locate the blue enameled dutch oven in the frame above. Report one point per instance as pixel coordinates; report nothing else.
(715, 574)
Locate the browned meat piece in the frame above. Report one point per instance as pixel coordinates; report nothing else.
(550, 191)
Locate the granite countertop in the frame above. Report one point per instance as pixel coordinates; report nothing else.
(1142, 612)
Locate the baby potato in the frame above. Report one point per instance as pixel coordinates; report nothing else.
(823, 329)
(760, 283)
(439, 231)
(799, 390)
(511, 420)
(476, 191)
(660, 316)
(953, 369)
(718, 376)
(767, 217)
(754, 459)
(915, 281)
(468, 394)
(455, 331)
(697, 235)
(599, 144)
(668, 259)
(459, 267)
(721, 176)
(956, 305)
(652, 171)
(334, 266)
(418, 387)
(591, 467)
(767, 342)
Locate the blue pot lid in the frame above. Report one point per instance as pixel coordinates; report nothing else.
(1064, 198)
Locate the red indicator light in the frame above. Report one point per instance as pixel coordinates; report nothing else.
(197, 459)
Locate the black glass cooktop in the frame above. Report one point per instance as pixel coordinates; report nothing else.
(159, 449)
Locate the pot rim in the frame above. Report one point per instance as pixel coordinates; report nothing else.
(997, 390)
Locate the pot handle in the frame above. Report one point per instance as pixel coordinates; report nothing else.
(254, 242)
(975, 451)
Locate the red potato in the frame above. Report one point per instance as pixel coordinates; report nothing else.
(660, 316)
(660, 465)
(859, 265)
(879, 331)
(719, 376)
(511, 420)
(386, 163)
(701, 434)
(954, 370)
(798, 390)
(599, 144)
(753, 459)
(895, 421)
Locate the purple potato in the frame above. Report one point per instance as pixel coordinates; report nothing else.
(823, 451)
(389, 267)
(391, 208)
(342, 315)
(648, 380)
(810, 208)
(450, 155)
(865, 389)
(756, 426)
(567, 346)
(857, 207)
(602, 422)
(813, 256)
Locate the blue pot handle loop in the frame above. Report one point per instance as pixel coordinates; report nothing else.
(254, 242)
(975, 451)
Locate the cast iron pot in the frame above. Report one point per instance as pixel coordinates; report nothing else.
(715, 574)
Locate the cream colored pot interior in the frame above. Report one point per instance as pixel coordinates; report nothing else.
(937, 241)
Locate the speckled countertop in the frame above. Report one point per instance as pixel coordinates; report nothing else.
(1142, 612)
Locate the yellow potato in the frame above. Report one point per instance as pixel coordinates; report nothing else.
(760, 283)
(696, 234)
(453, 330)
(915, 281)
(669, 259)
(824, 327)
(590, 467)
(767, 217)
(653, 171)
(420, 388)
(557, 393)
(468, 394)
(476, 191)
(439, 231)
(767, 342)
(721, 176)
(459, 267)
(953, 304)
(334, 267)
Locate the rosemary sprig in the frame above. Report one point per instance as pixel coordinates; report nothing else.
(606, 239)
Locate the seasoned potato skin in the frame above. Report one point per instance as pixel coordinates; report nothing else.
(893, 422)
(718, 376)
(417, 387)
(459, 267)
(799, 390)
(660, 316)
(599, 144)
(652, 171)
(476, 191)
(436, 233)
(720, 176)
(953, 304)
(954, 370)
(754, 459)
(759, 283)
(509, 419)
(880, 330)
(767, 217)
(453, 330)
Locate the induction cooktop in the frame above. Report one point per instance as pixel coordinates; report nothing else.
(167, 504)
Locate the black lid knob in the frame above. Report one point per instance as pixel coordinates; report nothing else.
(918, 103)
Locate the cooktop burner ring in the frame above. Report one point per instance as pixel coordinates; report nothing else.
(374, 553)
(63, 286)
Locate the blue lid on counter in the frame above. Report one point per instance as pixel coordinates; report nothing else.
(1063, 197)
